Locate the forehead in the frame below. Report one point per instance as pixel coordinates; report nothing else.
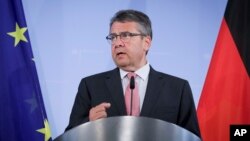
(118, 27)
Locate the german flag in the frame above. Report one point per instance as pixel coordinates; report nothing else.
(225, 98)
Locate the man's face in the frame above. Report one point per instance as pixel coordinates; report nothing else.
(130, 55)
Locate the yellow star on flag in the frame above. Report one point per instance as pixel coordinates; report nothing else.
(18, 34)
(45, 130)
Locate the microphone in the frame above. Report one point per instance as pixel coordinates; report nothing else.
(132, 86)
(132, 82)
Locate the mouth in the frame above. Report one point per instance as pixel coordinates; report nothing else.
(120, 53)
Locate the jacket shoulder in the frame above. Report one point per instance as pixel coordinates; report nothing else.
(102, 75)
(168, 76)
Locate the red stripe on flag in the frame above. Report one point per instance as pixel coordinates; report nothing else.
(225, 97)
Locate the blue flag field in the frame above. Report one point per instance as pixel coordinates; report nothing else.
(22, 112)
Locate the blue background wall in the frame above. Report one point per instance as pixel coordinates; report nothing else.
(68, 41)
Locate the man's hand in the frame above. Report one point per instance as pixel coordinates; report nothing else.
(99, 111)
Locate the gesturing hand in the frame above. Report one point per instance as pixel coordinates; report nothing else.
(99, 111)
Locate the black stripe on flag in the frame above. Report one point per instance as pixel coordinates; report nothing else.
(237, 16)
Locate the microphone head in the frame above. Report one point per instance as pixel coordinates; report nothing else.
(132, 82)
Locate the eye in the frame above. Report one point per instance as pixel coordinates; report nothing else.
(125, 34)
(111, 37)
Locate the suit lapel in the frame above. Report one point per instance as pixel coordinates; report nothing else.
(154, 85)
(113, 82)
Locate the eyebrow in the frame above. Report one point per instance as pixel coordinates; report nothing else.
(120, 33)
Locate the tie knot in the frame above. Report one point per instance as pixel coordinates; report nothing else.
(130, 74)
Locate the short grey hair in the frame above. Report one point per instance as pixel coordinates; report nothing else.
(134, 16)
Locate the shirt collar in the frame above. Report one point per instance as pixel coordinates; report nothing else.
(142, 72)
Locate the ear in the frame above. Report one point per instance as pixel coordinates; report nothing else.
(147, 43)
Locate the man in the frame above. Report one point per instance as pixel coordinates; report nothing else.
(159, 96)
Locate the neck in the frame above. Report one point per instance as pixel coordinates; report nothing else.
(133, 68)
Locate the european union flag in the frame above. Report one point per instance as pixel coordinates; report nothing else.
(22, 112)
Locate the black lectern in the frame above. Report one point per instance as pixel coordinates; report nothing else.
(128, 128)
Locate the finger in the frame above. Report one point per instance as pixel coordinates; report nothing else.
(95, 112)
(100, 115)
(98, 109)
(101, 107)
(95, 116)
(104, 104)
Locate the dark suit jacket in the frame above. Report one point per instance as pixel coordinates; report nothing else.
(167, 98)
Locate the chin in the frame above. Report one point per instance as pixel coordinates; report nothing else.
(121, 64)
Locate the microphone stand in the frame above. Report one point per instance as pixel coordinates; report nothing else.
(131, 102)
(132, 86)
